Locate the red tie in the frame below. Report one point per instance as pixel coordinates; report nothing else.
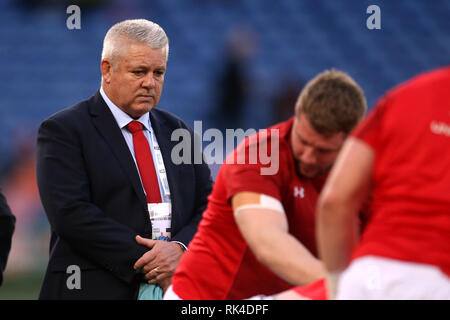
(144, 161)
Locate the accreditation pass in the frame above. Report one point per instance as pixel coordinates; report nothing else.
(161, 216)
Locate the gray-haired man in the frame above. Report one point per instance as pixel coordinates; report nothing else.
(105, 176)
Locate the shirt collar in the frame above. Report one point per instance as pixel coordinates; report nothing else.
(121, 117)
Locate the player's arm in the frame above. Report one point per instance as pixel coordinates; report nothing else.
(346, 189)
(263, 224)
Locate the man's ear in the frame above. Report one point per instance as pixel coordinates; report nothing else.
(107, 69)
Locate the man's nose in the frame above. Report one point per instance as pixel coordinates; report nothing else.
(149, 81)
(308, 156)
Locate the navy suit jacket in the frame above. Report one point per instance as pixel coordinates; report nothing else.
(91, 192)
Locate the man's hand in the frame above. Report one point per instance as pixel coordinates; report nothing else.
(158, 264)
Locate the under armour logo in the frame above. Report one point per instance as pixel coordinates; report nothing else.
(299, 192)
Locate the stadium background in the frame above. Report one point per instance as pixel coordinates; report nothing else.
(258, 52)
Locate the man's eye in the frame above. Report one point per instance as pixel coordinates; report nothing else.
(159, 73)
(303, 142)
(138, 73)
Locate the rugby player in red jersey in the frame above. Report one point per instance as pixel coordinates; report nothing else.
(257, 235)
(401, 155)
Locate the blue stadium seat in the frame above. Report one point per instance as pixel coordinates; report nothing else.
(46, 67)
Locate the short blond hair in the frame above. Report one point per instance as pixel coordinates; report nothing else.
(332, 102)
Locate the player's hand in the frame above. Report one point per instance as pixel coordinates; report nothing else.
(160, 262)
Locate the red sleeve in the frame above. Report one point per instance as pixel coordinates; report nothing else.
(249, 177)
(370, 129)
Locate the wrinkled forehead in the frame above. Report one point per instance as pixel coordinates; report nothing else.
(142, 54)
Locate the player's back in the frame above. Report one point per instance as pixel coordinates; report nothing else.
(410, 133)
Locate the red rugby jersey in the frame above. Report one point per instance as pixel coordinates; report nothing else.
(218, 263)
(409, 131)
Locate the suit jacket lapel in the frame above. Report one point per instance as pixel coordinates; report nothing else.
(104, 121)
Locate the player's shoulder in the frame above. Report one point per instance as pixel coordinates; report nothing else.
(413, 94)
(274, 138)
(265, 152)
(437, 77)
(421, 85)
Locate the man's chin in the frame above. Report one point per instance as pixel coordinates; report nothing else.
(141, 109)
(310, 174)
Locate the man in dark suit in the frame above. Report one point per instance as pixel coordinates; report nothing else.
(7, 223)
(106, 199)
